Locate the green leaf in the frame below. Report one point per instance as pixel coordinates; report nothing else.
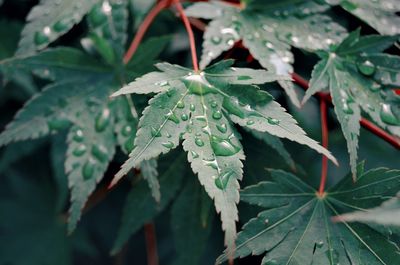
(357, 82)
(381, 15)
(140, 208)
(296, 228)
(186, 219)
(199, 108)
(268, 33)
(388, 213)
(49, 20)
(148, 169)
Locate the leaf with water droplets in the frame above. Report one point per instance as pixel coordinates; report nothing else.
(199, 108)
(357, 81)
(49, 20)
(267, 33)
(381, 15)
(296, 227)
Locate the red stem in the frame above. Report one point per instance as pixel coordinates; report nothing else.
(189, 30)
(151, 244)
(393, 140)
(325, 133)
(143, 28)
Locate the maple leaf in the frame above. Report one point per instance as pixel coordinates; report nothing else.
(268, 30)
(381, 15)
(199, 108)
(360, 78)
(296, 227)
(78, 100)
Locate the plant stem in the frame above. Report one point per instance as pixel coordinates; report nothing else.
(325, 133)
(151, 244)
(189, 30)
(394, 141)
(143, 28)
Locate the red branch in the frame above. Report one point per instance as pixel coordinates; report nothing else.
(325, 133)
(143, 28)
(394, 141)
(189, 30)
(151, 244)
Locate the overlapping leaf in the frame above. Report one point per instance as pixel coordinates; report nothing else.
(268, 30)
(297, 228)
(200, 108)
(78, 100)
(360, 77)
(381, 15)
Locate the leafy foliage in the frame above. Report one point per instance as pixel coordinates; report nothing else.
(268, 30)
(296, 227)
(359, 81)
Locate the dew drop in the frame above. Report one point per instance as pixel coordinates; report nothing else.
(222, 127)
(346, 108)
(88, 169)
(214, 104)
(172, 117)
(184, 117)
(103, 120)
(41, 38)
(58, 124)
(61, 25)
(168, 144)
(97, 16)
(222, 181)
(388, 116)
(129, 144)
(211, 163)
(375, 87)
(273, 121)
(319, 244)
(192, 107)
(217, 115)
(180, 104)
(250, 122)
(100, 152)
(79, 150)
(155, 133)
(126, 130)
(199, 142)
(366, 67)
(216, 40)
(197, 84)
(194, 154)
(269, 45)
(223, 147)
(78, 136)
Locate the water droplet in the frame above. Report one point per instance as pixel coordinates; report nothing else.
(168, 144)
(230, 42)
(78, 136)
(170, 93)
(266, 221)
(366, 67)
(155, 132)
(223, 147)
(211, 163)
(126, 130)
(222, 127)
(269, 45)
(100, 152)
(250, 122)
(198, 84)
(41, 38)
(217, 115)
(319, 244)
(194, 154)
(180, 104)
(375, 87)
(273, 121)
(162, 84)
(216, 40)
(79, 150)
(222, 181)
(103, 120)
(58, 124)
(61, 25)
(244, 77)
(199, 142)
(97, 16)
(88, 169)
(172, 117)
(184, 117)
(192, 107)
(346, 108)
(388, 116)
(214, 104)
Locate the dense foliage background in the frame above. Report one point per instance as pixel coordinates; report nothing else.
(34, 194)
